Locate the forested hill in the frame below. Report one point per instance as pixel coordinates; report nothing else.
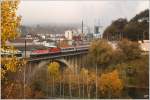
(135, 29)
(140, 16)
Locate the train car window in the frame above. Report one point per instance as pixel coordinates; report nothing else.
(5, 55)
(18, 55)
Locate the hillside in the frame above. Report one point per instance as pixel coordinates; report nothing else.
(135, 29)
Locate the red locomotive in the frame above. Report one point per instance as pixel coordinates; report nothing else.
(54, 50)
(40, 51)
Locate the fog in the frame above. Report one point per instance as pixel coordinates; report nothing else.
(73, 12)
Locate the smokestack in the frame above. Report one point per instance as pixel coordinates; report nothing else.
(82, 26)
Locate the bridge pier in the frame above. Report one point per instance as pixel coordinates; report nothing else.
(73, 60)
(76, 65)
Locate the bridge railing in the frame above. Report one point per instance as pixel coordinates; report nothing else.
(57, 55)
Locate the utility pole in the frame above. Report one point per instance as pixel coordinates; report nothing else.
(25, 48)
(25, 69)
(82, 26)
(82, 30)
(143, 37)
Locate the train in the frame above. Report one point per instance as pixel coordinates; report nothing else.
(47, 52)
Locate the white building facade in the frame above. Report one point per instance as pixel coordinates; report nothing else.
(69, 35)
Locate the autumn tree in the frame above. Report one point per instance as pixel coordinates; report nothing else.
(137, 72)
(90, 84)
(84, 79)
(130, 50)
(110, 85)
(101, 52)
(87, 80)
(66, 82)
(70, 82)
(53, 70)
(10, 22)
(12, 90)
(12, 67)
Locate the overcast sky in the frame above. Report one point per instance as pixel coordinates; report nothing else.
(92, 12)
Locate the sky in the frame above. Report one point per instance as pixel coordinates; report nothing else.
(101, 12)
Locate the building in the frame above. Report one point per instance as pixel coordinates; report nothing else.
(145, 45)
(89, 37)
(69, 35)
(97, 31)
(45, 42)
(20, 42)
(144, 19)
(43, 37)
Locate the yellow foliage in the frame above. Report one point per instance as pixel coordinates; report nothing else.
(12, 64)
(53, 69)
(3, 72)
(100, 52)
(84, 75)
(110, 83)
(10, 22)
(84, 72)
(13, 90)
(91, 78)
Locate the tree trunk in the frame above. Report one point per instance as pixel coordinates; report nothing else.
(79, 85)
(53, 87)
(109, 94)
(87, 87)
(63, 85)
(89, 92)
(11, 88)
(96, 82)
(60, 86)
(70, 86)
(83, 85)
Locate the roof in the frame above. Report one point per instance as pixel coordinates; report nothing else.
(21, 40)
(48, 40)
(145, 46)
(30, 47)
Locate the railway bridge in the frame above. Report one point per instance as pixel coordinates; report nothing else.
(73, 59)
